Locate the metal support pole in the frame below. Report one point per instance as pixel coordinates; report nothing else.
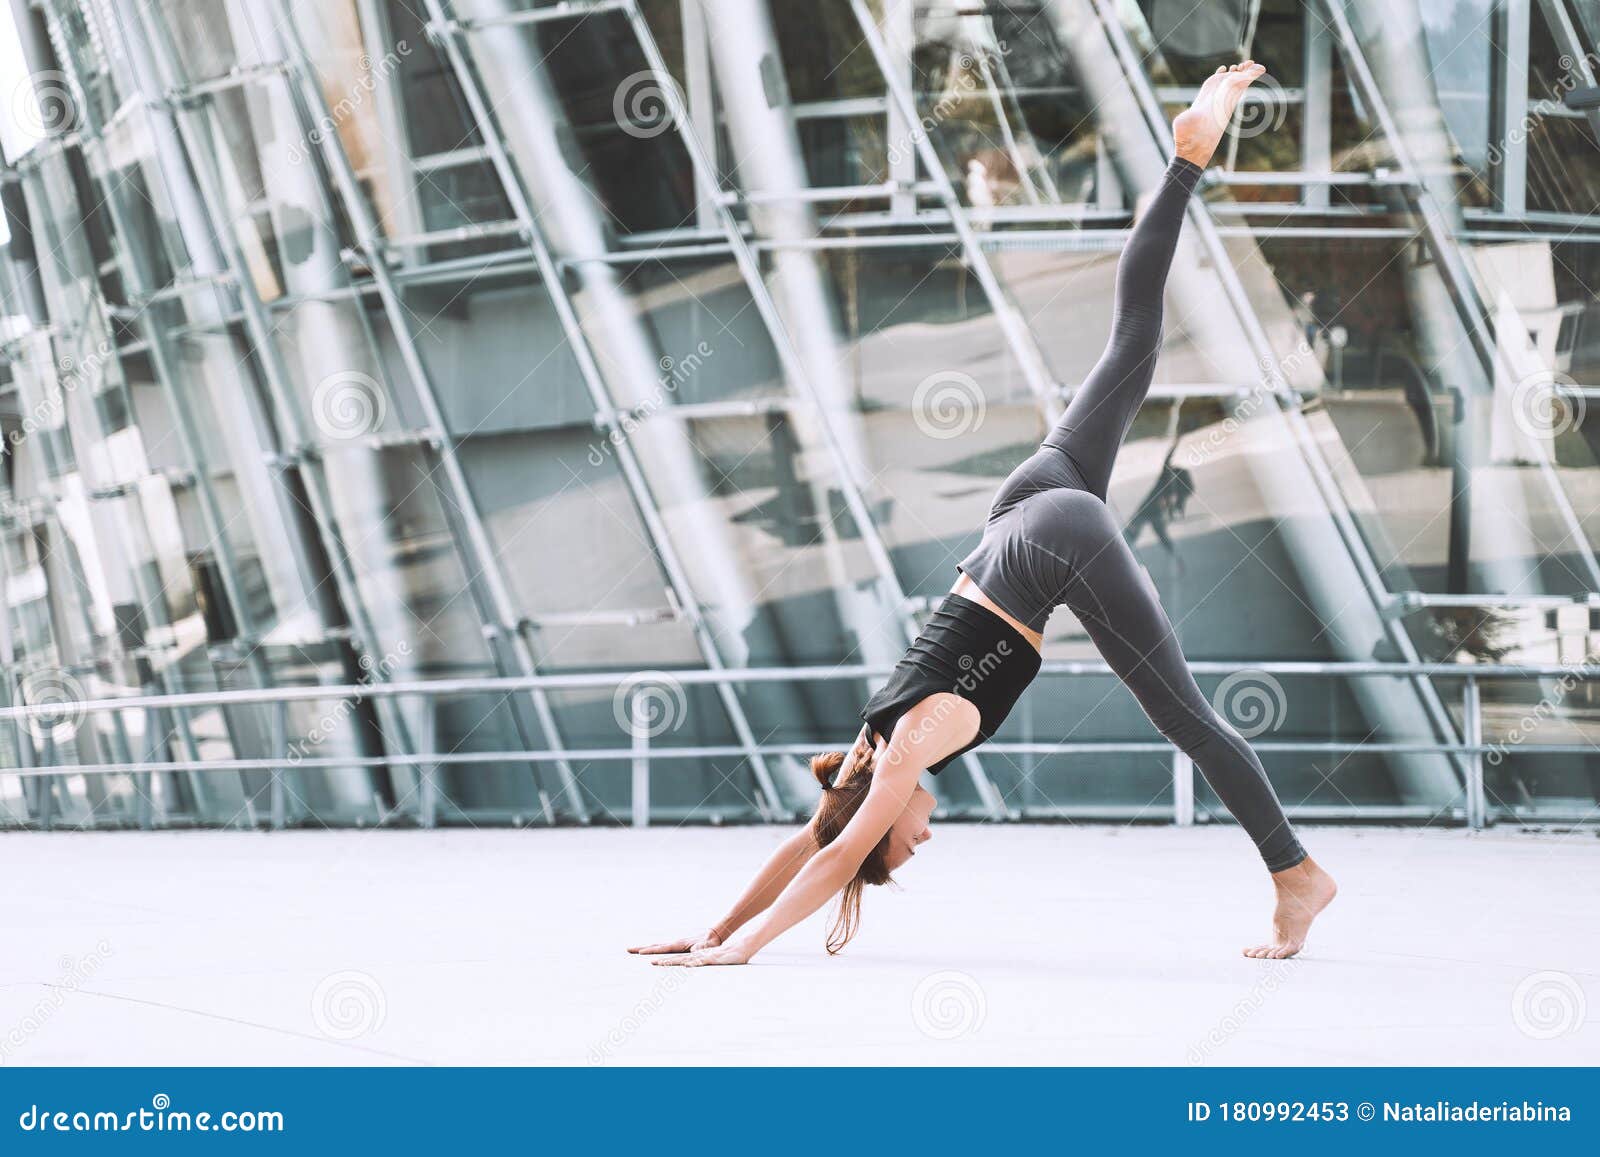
(795, 370)
(594, 381)
(278, 802)
(1316, 126)
(640, 718)
(1453, 270)
(1508, 102)
(500, 611)
(1472, 727)
(900, 34)
(1182, 790)
(1016, 330)
(143, 31)
(428, 780)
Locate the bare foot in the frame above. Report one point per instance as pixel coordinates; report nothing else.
(1303, 892)
(1198, 129)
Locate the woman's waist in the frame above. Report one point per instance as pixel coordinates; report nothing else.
(967, 589)
(963, 633)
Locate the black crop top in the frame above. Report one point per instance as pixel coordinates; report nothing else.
(967, 649)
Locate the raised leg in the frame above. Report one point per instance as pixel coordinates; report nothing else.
(1097, 419)
(1091, 431)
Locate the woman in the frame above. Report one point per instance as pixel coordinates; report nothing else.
(1049, 541)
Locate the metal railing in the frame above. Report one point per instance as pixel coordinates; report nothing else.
(642, 752)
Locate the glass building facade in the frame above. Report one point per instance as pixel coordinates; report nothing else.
(483, 411)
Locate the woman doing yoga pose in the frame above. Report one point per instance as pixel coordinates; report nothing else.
(1049, 541)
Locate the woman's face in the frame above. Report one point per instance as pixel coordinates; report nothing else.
(910, 831)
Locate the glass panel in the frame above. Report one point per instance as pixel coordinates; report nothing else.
(589, 83)
(996, 93)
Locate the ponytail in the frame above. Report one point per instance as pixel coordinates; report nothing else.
(839, 804)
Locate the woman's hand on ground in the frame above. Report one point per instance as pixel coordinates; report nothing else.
(707, 939)
(701, 958)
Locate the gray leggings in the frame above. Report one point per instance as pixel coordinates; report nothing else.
(1051, 540)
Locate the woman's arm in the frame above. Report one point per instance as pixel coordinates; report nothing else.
(775, 874)
(922, 737)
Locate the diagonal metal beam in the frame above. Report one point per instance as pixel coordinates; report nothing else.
(1565, 33)
(1023, 345)
(1453, 271)
(606, 413)
(144, 40)
(501, 613)
(793, 365)
(1238, 300)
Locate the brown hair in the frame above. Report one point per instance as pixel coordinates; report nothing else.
(838, 806)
